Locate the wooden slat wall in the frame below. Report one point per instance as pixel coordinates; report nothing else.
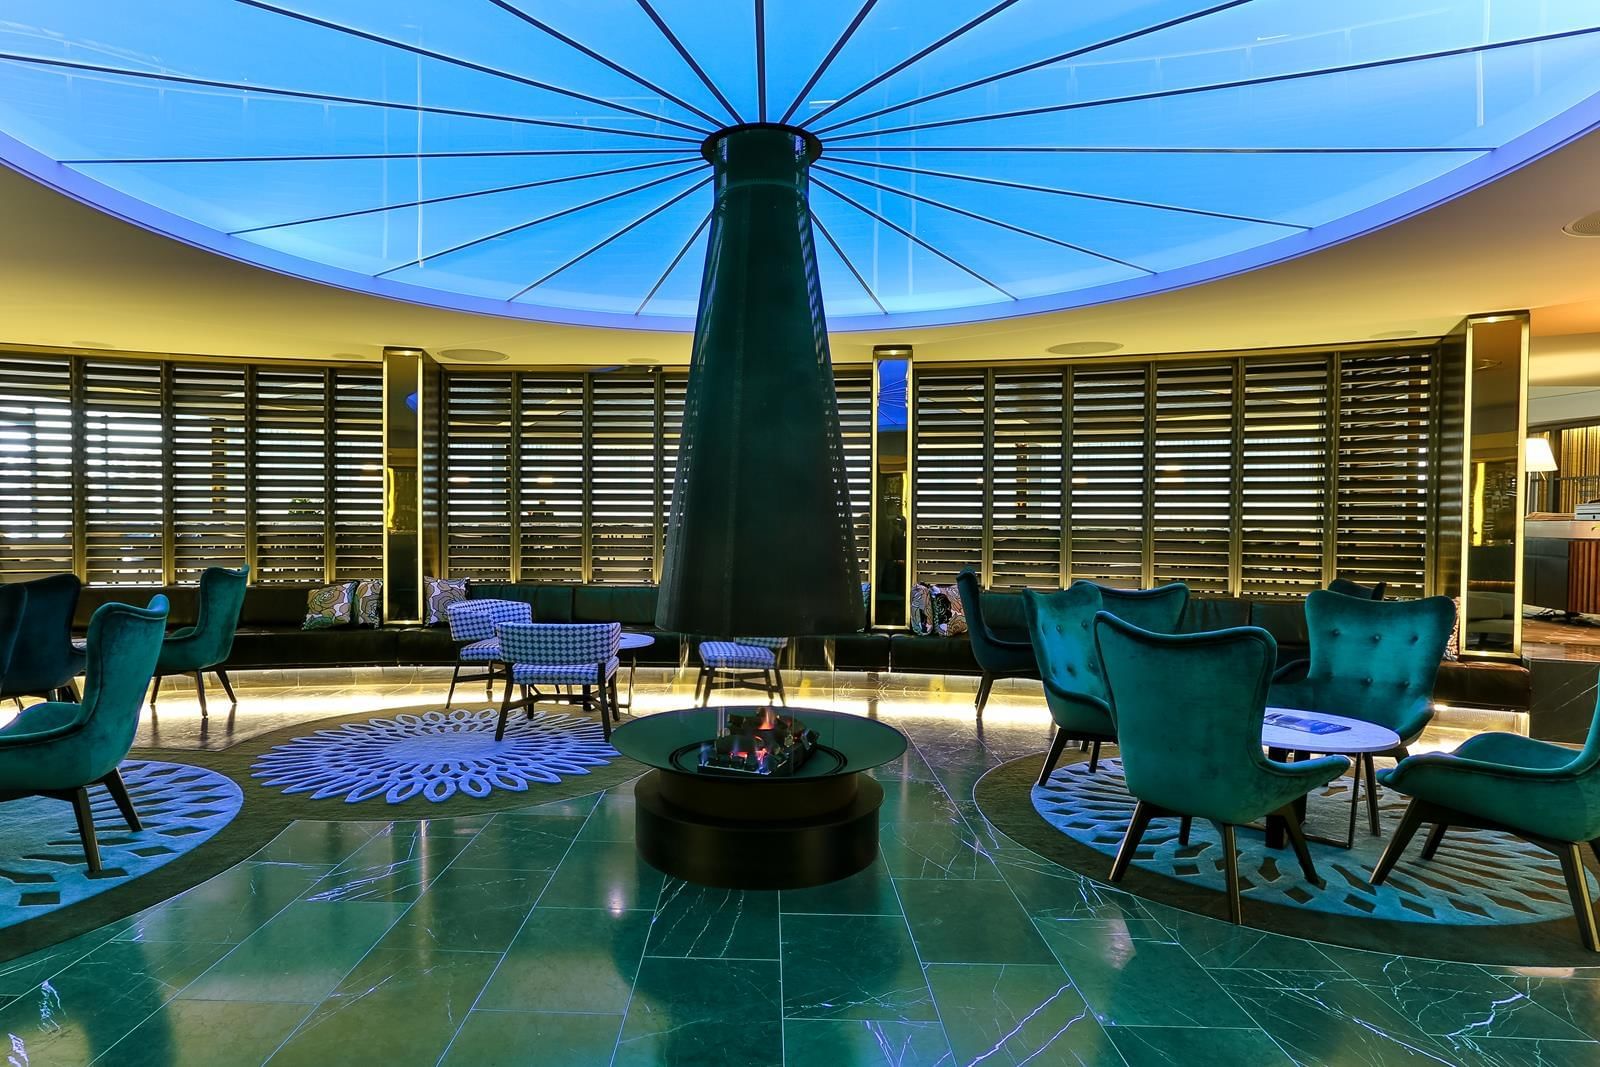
(124, 473)
(210, 480)
(37, 468)
(1284, 483)
(1192, 483)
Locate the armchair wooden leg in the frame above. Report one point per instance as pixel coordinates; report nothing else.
(984, 685)
(119, 794)
(227, 686)
(155, 691)
(73, 695)
(450, 697)
(1142, 814)
(777, 680)
(1297, 838)
(1056, 747)
(1416, 811)
(616, 706)
(1578, 888)
(1371, 771)
(505, 710)
(82, 811)
(1435, 836)
(1094, 757)
(1230, 859)
(200, 691)
(605, 709)
(1183, 830)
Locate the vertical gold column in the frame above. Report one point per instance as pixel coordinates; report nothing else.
(411, 466)
(890, 555)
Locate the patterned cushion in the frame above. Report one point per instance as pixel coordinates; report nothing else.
(475, 620)
(442, 592)
(763, 642)
(560, 673)
(331, 605)
(485, 651)
(369, 602)
(732, 655)
(546, 643)
(937, 609)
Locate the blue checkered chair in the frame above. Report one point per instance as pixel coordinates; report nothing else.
(738, 664)
(581, 654)
(472, 624)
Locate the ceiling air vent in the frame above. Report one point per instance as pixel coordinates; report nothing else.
(1588, 226)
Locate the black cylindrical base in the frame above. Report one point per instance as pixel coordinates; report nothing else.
(744, 853)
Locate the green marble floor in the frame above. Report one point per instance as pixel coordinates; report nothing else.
(538, 938)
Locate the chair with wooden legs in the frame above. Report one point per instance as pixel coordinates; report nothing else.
(472, 627)
(1544, 793)
(205, 645)
(60, 749)
(999, 653)
(1158, 609)
(742, 663)
(582, 655)
(44, 662)
(1074, 691)
(1188, 709)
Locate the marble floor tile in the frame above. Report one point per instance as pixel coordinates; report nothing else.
(522, 842)
(867, 892)
(603, 874)
(1184, 1046)
(934, 850)
(520, 1038)
(570, 960)
(969, 921)
(468, 909)
(227, 908)
(1520, 1052)
(703, 1013)
(207, 1033)
(864, 1043)
(22, 974)
(317, 843)
(1216, 944)
(853, 967)
(611, 819)
(703, 923)
(1577, 1000)
(1010, 1014)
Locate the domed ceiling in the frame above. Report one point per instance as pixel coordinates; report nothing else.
(541, 158)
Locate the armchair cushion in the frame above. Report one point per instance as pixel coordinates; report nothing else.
(733, 655)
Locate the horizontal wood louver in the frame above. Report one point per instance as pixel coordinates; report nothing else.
(479, 416)
(36, 466)
(551, 522)
(357, 465)
(854, 392)
(1284, 477)
(210, 485)
(1192, 479)
(948, 496)
(1383, 456)
(289, 478)
(621, 487)
(1025, 480)
(123, 469)
(1108, 474)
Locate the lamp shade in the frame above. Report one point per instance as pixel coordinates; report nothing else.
(760, 540)
(1537, 457)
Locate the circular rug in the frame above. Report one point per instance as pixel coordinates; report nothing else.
(1485, 897)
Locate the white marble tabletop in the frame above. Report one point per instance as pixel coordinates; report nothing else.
(1357, 737)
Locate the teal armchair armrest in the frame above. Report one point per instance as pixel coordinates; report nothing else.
(41, 722)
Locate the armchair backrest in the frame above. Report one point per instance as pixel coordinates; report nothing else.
(981, 637)
(1376, 660)
(13, 606)
(1189, 710)
(124, 643)
(42, 657)
(217, 618)
(1355, 589)
(1060, 627)
(773, 643)
(559, 643)
(475, 620)
(1158, 610)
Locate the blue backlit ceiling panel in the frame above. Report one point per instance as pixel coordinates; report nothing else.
(540, 158)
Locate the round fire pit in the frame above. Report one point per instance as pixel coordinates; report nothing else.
(757, 797)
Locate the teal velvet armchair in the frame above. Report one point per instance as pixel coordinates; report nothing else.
(1189, 712)
(1374, 660)
(1541, 792)
(60, 749)
(1158, 610)
(1063, 645)
(43, 661)
(205, 645)
(999, 655)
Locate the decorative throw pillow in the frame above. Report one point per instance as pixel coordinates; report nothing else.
(331, 605)
(949, 614)
(369, 602)
(442, 592)
(922, 621)
(1452, 647)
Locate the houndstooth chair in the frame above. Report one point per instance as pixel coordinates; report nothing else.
(736, 664)
(472, 624)
(581, 654)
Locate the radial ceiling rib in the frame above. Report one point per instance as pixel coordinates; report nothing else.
(467, 64)
(839, 251)
(913, 238)
(827, 60)
(672, 39)
(612, 65)
(592, 249)
(519, 227)
(342, 157)
(834, 150)
(963, 212)
(1027, 187)
(761, 60)
(1266, 79)
(329, 98)
(462, 196)
(959, 31)
(1037, 64)
(662, 280)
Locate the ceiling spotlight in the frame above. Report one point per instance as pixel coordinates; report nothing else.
(1588, 226)
(1084, 348)
(474, 355)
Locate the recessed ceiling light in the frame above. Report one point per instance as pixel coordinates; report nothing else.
(1588, 226)
(1392, 335)
(1084, 348)
(474, 355)
(643, 361)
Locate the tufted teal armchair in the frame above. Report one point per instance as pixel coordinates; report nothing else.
(60, 749)
(205, 645)
(1189, 712)
(1158, 610)
(1059, 625)
(999, 655)
(1544, 793)
(1374, 660)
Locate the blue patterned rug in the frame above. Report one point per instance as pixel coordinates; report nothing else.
(42, 867)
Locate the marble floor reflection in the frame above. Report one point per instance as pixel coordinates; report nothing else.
(955, 947)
